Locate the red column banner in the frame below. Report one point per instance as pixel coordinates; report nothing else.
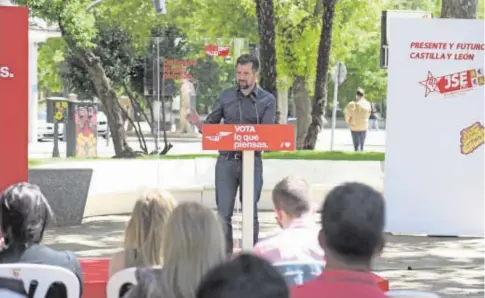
(14, 93)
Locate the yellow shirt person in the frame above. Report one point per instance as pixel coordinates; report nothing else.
(357, 117)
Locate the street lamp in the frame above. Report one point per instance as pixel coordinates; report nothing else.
(160, 6)
(93, 4)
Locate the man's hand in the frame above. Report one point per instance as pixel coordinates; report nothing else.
(2, 244)
(193, 117)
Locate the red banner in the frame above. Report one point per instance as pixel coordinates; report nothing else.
(249, 137)
(217, 51)
(14, 93)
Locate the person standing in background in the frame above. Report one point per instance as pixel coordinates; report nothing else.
(373, 118)
(357, 115)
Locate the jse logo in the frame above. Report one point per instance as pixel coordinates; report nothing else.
(5, 72)
(455, 80)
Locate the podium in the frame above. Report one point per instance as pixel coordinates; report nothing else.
(248, 138)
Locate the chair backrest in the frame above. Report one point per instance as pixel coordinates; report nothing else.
(411, 294)
(297, 273)
(119, 280)
(42, 277)
(11, 294)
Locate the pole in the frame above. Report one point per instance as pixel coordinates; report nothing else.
(247, 200)
(157, 146)
(108, 135)
(335, 104)
(164, 121)
(55, 150)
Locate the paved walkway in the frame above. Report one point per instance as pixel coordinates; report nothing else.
(454, 267)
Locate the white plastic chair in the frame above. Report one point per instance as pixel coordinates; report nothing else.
(45, 276)
(10, 294)
(120, 278)
(411, 294)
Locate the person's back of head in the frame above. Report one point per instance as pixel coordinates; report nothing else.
(353, 219)
(291, 199)
(143, 236)
(359, 94)
(195, 245)
(24, 213)
(247, 276)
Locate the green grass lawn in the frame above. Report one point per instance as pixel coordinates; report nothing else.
(302, 155)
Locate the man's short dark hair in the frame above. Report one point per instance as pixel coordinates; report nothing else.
(246, 59)
(353, 219)
(247, 276)
(24, 213)
(292, 195)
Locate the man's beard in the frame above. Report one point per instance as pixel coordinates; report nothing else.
(243, 85)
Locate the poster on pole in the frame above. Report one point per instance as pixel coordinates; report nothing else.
(434, 173)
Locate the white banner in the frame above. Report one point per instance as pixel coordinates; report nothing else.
(434, 180)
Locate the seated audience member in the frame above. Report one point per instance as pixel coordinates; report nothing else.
(143, 234)
(246, 276)
(194, 244)
(24, 215)
(12, 288)
(298, 241)
(351, 234)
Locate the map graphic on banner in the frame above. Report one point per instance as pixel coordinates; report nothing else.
(435, 127)
(471, 138)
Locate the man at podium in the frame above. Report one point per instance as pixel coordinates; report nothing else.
(247, 103)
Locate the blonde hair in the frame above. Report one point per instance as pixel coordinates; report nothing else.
(143, 234)
(195, 245)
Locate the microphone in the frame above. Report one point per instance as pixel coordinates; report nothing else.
(253, 100)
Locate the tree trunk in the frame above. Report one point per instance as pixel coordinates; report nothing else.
(283, 100)
(320, 98)
(135, 106)
(302, 106)
(267, 35)
(459, 9)
(109, 99)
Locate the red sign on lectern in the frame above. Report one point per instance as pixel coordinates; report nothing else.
(248, 137)
(14, 92)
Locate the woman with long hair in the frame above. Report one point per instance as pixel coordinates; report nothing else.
(194, 245)
(143, 243)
